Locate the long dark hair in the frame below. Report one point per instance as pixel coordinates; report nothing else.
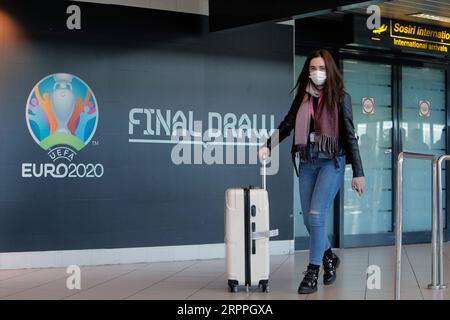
(333, 89)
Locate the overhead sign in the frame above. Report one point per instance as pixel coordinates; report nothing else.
(403, 35)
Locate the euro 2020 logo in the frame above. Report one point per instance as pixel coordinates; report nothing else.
(62, 110)
(62, 116)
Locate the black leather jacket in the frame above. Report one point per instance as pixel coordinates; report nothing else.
(347, 137)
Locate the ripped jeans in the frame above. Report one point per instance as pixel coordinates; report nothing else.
(319, 182)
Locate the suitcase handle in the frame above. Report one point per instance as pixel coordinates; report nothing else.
(264, 173)
(264, 234)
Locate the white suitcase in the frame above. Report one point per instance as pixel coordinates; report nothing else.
(247, 237)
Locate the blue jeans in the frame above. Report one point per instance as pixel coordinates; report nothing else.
(319, 182)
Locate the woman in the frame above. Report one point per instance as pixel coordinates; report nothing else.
(324, 140)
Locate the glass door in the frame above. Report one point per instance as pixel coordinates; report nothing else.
(368, 219)
(421, 119)
(422, 126)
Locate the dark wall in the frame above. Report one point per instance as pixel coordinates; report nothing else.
(134, 58)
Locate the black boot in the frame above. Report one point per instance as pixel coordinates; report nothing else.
(309, 283)
(330, 264)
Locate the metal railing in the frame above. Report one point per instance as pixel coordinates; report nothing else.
(437, 225)
(440, 221)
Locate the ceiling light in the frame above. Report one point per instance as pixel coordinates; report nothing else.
(431, 17)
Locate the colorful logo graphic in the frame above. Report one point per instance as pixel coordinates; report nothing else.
(62, 115)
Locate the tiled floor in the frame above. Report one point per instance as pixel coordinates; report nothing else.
(203, 280)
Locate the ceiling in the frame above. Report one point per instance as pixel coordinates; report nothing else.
(401, 10)
(227, 14)
(393, 9)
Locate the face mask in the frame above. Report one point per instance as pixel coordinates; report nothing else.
(318, 77)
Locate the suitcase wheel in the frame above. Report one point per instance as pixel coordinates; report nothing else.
(264, 285)
(232, 286)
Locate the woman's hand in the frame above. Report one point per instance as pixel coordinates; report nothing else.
(359, 184)
(263, 153)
